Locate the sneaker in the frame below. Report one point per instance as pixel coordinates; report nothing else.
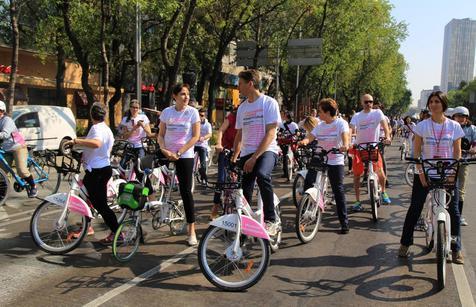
(403, 251)
(463, 222)
(344, 229)
(385, 198)
(357, 206)
(271, 228)
(108, 240)
(458, 257)
(192, 240)
(33, 192)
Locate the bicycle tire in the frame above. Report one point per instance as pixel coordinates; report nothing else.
(409, 174)
(4, 187)
(305, 208)
(130, 235)
(298, 189)
(217, 280)
(373, 201)
(441, 255)
(39, 241)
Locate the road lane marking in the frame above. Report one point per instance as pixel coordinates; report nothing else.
(144, 276)
(148, 274)
(462, 284)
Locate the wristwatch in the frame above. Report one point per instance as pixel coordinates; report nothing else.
(178, 153)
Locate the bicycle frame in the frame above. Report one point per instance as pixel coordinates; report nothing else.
(373, 179)
(41, 176)
(437, 213)
(318, 191)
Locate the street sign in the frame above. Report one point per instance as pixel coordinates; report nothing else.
(307, 51)
(246, 51)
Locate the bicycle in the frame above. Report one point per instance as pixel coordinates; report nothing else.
(441, 176)
(303, 155)
(404, 149)
(409, 174)
(60, 223)
(47, 182)
(312, 204)
(234, 252)
(369, 153)
(285, 138)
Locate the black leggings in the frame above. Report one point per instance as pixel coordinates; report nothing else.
(185, 175)
(95, 182)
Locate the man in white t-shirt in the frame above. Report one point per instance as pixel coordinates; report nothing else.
(366, 126)
(288, 127)
(257, 120)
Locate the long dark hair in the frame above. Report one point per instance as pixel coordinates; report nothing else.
(441, 96)
(128, 112)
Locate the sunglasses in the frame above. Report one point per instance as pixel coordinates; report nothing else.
(202, 115)
(135, 108)
(368, 101)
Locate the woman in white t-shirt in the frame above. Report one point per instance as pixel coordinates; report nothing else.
(331, 132)
(135, 126)
(96, 161)
(179, 131)
(435, 138)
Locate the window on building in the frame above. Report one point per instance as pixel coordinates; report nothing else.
(39, 96)
(28, 120)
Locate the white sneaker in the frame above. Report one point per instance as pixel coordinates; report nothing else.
(192, 240)
(463, 222)
(271, 228)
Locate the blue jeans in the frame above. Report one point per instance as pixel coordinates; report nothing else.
(222, 165)
(336, 179)
(202, 153)
(262, 174)
(419, 194)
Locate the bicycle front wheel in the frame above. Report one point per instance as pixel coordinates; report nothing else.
(308, 218)
(409, 174)
(298, 189)
(56, 236)
(373, 201)
(441, 255)
(126, 240)
(4, 186)
(226, 270)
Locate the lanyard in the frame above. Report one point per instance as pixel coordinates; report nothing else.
(438, 141)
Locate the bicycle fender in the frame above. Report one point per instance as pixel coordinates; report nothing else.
(78, 205)
(441, 217)
(303, 173)
(313, 193)
(57, 199)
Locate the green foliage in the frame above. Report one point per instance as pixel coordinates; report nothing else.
(460, 97)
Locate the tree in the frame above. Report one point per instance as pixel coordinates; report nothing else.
(14, 13)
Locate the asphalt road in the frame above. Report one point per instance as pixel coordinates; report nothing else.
(360, 268)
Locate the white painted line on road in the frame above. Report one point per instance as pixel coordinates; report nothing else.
(462, 284)
(144, 276)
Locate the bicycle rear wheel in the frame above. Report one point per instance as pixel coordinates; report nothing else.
(214, 258)
(4, 186)
(373, 201)
(126, 240)
(409, 174)
(54, 236)
(308, 218)
(441, 255)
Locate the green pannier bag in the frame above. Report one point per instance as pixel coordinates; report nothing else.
(132, 196)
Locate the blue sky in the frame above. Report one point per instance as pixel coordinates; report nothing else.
(423, 48)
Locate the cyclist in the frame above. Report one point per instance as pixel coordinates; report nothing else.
(256, 123)
(366, 126)
(436, 137)
(96, 161)
(378, 105)
(408, 133)
(179, 131)
(331, 132)
(461, 115)
(290, 128)
(225, 138)
(202, 145)
(15, 149)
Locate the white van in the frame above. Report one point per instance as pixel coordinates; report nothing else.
(45, 127)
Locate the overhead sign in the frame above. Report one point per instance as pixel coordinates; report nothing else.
(246, 52)
(305, 52)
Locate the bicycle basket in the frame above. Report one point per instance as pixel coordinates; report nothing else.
(70, 163)
(132, 196)
(369, 155)
(317, 162)
(150, 146)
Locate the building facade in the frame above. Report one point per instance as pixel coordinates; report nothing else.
(424, 94)
(459, 48)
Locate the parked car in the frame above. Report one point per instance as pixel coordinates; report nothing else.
(45, 127)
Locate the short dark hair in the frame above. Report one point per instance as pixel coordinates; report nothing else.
(441, 96)
(251, 75)
(98, 111)
(202, 110)
(178, 88)
(329, 105)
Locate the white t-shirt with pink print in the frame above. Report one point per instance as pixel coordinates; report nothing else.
(329, 136)
(179, 128)
(367, 126)
(252, 118)
(437, 138)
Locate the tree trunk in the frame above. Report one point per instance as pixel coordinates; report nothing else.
(104, 58)
(14, 12)
(217, 66)
(204, 76)
(118, 83)
(60, 70)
